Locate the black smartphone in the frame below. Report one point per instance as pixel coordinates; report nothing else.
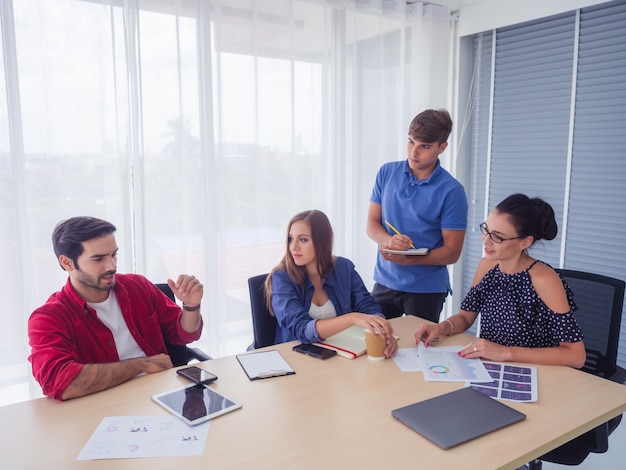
(197, 375)
(315, 351)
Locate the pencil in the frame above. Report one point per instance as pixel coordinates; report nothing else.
(396, 231)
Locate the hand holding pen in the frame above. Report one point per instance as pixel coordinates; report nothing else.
(395, 230)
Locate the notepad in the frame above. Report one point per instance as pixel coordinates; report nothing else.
(348, 343)
(264, 364)
(457, 417)
(409, 252)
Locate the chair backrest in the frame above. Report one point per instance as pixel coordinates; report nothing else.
(263, 322)
(600, 301)
(179, 354)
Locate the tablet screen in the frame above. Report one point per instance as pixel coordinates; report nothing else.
(195, 404)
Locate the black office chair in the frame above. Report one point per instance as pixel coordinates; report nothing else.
(263, 322)
(181, 354)
(600, 300)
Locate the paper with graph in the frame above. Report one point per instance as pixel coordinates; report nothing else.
(443, 364)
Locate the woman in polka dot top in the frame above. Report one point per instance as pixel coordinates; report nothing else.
(526, 308)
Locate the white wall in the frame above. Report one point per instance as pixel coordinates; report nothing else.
(492, 14)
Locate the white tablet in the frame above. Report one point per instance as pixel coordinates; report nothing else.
(195, 404)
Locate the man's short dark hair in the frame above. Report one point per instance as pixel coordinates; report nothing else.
(431, 125)
(68, 236)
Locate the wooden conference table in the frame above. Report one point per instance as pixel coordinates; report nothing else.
(331, 414)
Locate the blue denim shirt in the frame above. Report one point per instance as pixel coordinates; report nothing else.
(291, 302)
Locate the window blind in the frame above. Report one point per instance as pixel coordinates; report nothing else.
(478, 167)
(531, 108)
(596, 222)
(556, 130)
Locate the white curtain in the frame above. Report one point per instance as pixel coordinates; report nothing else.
(199, 128)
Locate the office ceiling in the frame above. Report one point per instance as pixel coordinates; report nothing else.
(451, 4)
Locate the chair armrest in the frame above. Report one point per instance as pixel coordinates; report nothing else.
(198, 354)
(619, 376)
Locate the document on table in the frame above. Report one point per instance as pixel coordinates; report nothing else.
(132, 437)
(509, 382)
(443, 364)
(408, 360)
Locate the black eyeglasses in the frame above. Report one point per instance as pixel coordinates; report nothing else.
(496, 238)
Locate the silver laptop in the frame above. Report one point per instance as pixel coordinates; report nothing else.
(457, 417)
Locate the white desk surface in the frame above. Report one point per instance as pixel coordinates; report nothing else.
(333, 414)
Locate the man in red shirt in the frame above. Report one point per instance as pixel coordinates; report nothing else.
(103, 328)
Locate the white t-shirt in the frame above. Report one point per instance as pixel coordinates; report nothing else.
(110, 313)
(325, 311)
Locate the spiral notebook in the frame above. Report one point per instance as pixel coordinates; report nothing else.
(457, 417)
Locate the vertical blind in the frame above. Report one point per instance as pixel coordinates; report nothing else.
(531, 107)
(556, 129)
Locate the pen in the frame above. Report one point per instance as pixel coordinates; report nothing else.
(398, 233)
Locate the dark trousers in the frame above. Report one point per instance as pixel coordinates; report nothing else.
(394, 303)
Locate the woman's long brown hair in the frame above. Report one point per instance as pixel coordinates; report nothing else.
(322, 239)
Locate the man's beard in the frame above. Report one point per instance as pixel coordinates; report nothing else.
(88, 281)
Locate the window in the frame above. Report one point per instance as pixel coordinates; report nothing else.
(199, 128)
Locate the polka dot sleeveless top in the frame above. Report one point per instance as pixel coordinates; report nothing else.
(512, 314)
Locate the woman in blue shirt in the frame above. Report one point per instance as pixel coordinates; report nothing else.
(314, 294)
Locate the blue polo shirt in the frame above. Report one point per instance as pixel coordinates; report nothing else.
(420, 209)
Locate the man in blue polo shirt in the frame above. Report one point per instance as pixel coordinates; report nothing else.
(415, 203)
